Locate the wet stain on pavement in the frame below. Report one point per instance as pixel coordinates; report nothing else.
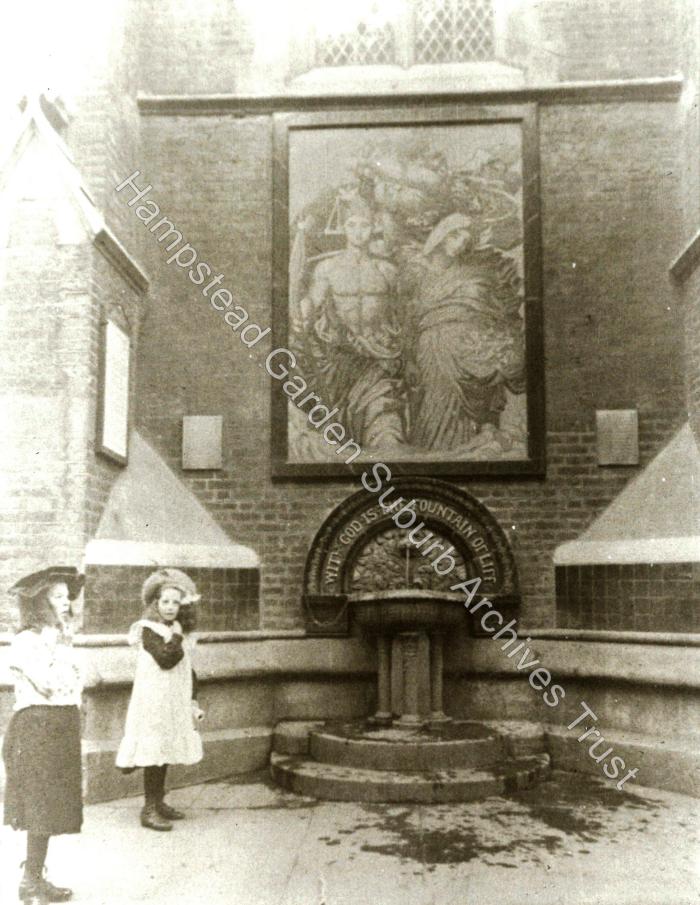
(524, 827)
(582, 809)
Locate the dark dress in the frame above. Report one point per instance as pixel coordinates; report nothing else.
(41, 749)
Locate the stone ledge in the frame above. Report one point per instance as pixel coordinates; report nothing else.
(330, 658)
(672, 765)
(225, 752)
(613, 91)
(676, 639)
(292, 736)
(342, 783)
(629, 663)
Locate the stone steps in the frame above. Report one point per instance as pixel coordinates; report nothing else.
(400, 750)
(334, 782)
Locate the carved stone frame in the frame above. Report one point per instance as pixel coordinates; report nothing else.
(461, 518)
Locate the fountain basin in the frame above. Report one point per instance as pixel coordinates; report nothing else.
(407, 610)
(401, 617)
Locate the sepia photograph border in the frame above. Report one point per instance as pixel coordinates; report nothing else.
(380, 114)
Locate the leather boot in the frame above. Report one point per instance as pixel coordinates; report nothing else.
(56, 893)
(31, 892)
(151, 819)
(170, 813)
(43, 888)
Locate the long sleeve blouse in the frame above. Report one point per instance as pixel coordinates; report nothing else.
(45, 670)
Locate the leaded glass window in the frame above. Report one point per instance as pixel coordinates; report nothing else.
(453, 31)
(365, 46)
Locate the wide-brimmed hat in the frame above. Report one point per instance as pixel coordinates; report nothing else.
(32, 585)
(169, 578)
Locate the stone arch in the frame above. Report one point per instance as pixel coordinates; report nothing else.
(480, 546)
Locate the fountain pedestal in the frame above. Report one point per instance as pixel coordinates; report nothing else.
(408, 616)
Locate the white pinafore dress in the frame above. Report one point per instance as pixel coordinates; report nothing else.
(159, 725)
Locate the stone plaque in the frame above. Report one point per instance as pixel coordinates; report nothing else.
(617, 436)
(201, 442)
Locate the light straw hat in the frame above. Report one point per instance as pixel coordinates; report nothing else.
(169, 578)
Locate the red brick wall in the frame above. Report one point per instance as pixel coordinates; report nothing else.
(54, 486)
(53, 297)
(103, 133)
(610, 39)
(613, 333)
(193, 50)
(690, 295)
(610, 196)
(212, 50)
(230, 598)
(689, 291)
(45, 379)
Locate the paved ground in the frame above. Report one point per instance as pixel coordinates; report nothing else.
(570, 842)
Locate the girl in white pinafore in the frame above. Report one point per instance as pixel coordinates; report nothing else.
(160, 723)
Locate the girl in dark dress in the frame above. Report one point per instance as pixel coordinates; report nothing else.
(41, 750)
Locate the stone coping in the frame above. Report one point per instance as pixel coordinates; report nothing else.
(604, 552)
(298, 658)
(125, 553)
(665, 88)
(121, 639)
(686, 262)
(638, 664)
(677, 639)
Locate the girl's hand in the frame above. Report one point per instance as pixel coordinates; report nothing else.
(197, 713)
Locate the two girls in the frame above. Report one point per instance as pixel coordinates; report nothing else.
(41, 750)
(160, 723)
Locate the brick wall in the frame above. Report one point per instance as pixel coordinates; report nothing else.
(611, 39)
(610, 197)
(44, 387)
(54, 486)
(636, 597)
(689, 290)
(691, 296)
(215, 50)
(613, 333)
(230, 598)
(55, 291)
(184, 51)
(103, 132)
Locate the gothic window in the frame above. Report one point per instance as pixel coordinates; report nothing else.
(453, 31)
(365, 46)
(421, 32)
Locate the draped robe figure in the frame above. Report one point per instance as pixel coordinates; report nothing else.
(468, 341)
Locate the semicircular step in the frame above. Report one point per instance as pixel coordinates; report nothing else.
(382, 751)
(340, 783)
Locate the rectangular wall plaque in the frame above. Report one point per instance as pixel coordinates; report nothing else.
(618, 442)
(113, 393)
(201, 442)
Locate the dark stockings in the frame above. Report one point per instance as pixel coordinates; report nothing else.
(154, 784)
(37, 847)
